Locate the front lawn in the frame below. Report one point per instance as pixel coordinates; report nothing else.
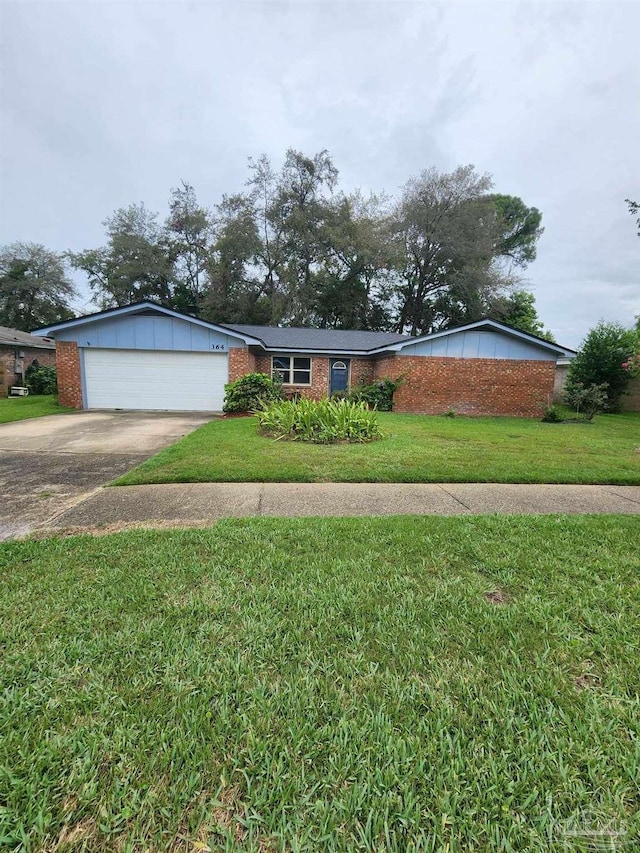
(416, 449)
(322, 684)
(21, 408)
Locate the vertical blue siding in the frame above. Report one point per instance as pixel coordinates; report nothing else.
(148, 332)
(479, 344)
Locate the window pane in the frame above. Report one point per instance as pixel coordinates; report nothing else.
(282, 375)
(281, 362)
(302, 364)
(301, 377)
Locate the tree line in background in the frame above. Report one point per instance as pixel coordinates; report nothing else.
(291, 248)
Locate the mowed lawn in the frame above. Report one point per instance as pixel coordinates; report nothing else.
(21, 408)
(416, 449)
(379, 684)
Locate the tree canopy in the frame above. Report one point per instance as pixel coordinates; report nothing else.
(291, 247)
(518, 309)
(34, 287)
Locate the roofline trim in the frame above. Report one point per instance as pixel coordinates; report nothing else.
(28, 345)
(136, 306)
(283, 350)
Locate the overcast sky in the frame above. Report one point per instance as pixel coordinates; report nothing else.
(105, 104)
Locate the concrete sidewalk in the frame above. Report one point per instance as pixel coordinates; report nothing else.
(202, 502)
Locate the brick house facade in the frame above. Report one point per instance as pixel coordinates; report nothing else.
(482, 368)
(18, 351)
(69, 377)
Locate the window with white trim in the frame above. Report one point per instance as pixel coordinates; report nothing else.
(291, 369)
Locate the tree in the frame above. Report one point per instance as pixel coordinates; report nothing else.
(237, 293)
(600, 359)
(352, 287)
(517, 229)
(189, 234)
(634, 210)
(440, 238)
(34, 287)
(518, 309)
(456, 245)
(298, 214)
(135, 264)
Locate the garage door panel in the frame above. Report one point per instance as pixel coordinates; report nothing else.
(154, 379)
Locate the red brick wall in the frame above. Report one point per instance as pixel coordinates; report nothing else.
(361, 371)
(241, 361)
(319, 387)
(8, 376)
(470, 386)
(69, 381)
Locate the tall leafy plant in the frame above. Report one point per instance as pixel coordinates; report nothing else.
(600, 362)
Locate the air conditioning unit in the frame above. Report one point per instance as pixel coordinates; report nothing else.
(18, 391)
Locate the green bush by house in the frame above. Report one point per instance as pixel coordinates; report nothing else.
(378, 395)
(248, 393)
(41, 379)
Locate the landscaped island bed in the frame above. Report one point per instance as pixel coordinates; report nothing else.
(374, 684)
(416, 449)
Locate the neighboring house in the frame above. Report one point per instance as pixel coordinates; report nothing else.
(17, 351)
(562, 371)
(144, 356)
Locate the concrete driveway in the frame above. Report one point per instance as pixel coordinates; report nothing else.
(49, 464)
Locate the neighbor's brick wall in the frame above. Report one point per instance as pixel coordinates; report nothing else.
(69, 381)
(8, 377)
(470, 386)
(631, 402)
(559, 381)
(241, 361)
(628, 402)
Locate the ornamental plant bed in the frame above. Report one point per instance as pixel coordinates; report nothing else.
(319, 421)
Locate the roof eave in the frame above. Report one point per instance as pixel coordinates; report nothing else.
(316, 350)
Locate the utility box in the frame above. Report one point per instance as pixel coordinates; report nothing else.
(18, 391)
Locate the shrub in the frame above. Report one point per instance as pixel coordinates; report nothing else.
(320, 422)
(552, 415)
(378, 395)
(587, 399)
(600, 362)
(450, 413)
(40, 379)
(248, 393)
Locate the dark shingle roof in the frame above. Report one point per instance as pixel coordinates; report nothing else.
(16, 338)
(318, 340)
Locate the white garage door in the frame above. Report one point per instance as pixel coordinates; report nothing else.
(154, 379)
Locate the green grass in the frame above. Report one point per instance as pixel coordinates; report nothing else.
(322, 684)
(416, 449)
(21, 408)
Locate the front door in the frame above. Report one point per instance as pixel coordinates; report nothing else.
(338, 375)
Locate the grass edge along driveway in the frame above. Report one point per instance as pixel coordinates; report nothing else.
(415, 449)
(314, 684)
(34, 406)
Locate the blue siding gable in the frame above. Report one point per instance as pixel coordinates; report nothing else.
(477, 343)
(159, 332)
